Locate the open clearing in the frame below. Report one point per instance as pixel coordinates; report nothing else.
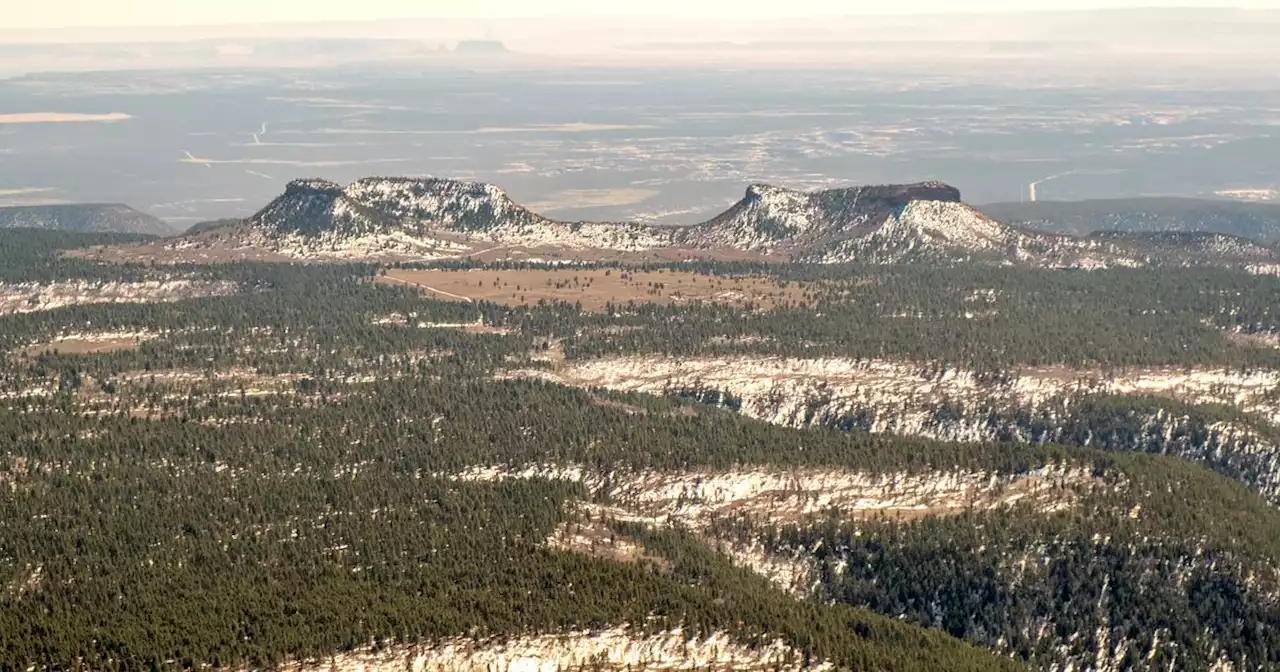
(595, 288)
(87, 344)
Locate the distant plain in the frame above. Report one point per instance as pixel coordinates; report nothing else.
(657, 145)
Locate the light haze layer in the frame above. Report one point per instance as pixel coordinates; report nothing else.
(119, 13)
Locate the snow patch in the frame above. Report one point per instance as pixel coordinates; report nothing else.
(942, 403)
(26, 297)
(615, 648)
(772, 497)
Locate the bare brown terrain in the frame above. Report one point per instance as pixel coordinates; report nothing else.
(85, 344)
(595, 288)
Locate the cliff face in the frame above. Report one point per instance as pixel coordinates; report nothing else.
(27, 297)
(1033, 406)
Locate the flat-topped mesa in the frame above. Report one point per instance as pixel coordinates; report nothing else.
(312, 186)
(871, 205)
(899, 194)
(902, 194)
(452, 204)
(765, 218)
(376, 188)
(385, 204)
(769, 216)
(313, 207)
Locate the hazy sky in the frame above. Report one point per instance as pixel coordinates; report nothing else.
(26, 14)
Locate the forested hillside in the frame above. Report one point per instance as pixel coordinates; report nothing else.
(317, 461)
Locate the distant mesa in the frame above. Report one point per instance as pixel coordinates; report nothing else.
(425, 219)
(83, 218)
(1255, 220)
(481, 47)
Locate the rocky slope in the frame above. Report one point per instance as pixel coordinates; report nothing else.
(83, 217)
(1002, 560)
(769, 216)
(433, 218)
(1037, 405)
(702, 501)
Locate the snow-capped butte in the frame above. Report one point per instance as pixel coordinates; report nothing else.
(437, 218)
(769, 216)
(447, 218)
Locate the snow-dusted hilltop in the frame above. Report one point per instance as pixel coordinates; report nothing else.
(769, 216)
(768, 221)
(379, 204)
(428, 218)
(436, 218)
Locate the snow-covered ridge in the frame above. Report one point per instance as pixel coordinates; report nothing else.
(779, 389)
(928, 228)
(778, 496)
(760, 376)
(26, 297)
(773, 496)
(769, 215)
(427, 218)
(617, 648)
(306, 185)
(953, 404)
(449, 203)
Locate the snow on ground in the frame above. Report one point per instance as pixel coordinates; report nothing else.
(404, 320)
(1264, 194)
(336, 246)
(28, 297)
(771, 497)
(615, 648)
(777, 496)
(786, 391)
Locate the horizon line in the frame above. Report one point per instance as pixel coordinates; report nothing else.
(1178, 9)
